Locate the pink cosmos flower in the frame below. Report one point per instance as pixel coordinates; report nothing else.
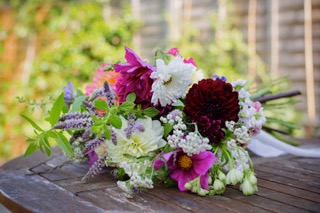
(185, 168)
(175, 51)
(135, 77)
(100, 77)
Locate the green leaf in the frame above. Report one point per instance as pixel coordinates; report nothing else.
(151, 112)
(101, 105)
(31, 148)
(164, 56)
(131, 97)
(32, 123)
(47, 146)
(97, 128)
(77, 103)
(178, 103)
(106, 132)
(56, 110)
(115, 121)
(126, 106)
(64, 144)
(167, 129)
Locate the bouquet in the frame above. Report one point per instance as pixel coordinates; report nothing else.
(158, 123)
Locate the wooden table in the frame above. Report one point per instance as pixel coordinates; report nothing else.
(41, 184)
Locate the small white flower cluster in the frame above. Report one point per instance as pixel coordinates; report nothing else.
(79, 157)
(191, 143)
(241, 132)
(251, 113)
(136, 171)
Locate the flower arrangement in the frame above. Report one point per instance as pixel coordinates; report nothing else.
(161, 122)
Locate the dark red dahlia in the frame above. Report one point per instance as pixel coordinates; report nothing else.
(211, 103)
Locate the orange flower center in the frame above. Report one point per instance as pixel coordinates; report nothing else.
(185, 162)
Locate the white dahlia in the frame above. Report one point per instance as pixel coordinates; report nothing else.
(171, 81)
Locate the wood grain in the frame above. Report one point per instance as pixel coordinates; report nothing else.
(41, 184)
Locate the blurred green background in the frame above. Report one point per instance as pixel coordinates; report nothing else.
(46, 43)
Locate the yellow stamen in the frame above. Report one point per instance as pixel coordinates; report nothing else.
(168, 81)
(185, 162)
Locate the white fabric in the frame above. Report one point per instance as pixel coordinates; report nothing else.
(265, 145)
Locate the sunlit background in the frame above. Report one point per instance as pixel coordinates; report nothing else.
(46, 43)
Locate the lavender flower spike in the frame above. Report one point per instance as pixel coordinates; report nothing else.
(68, 95)
(104, 91)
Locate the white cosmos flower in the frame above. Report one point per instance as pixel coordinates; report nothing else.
(139, 144)
(171, 81)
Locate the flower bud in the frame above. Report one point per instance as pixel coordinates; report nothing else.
(234, 176)
(218, 186)
(221, 176)
(247, 188)
(252, 178)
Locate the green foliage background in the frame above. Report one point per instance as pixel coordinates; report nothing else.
(71, 39)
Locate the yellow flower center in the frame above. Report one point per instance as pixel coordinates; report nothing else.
(167, 82)
(185, 162)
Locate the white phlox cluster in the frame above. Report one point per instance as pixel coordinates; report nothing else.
(136, 172)
(241, 133)
(191, 143)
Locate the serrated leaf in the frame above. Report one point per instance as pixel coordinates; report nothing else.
(151, 112)
(56, 110)
(127, 106)
(97, 129)
(115, 121)
(101, 105)
(64, 144)
(106, 132)
(77, 103)
(167, 129)
(131, 97)
(31, 148)
(32, 123)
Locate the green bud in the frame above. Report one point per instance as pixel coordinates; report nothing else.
(234, 176)
(247, 188)
(219, 186)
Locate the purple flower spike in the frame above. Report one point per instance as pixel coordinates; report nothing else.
(68, 95)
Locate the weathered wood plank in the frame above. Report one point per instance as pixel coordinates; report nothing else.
(287, 181)
(98, 182)
(299, 193)
(222, 203)
(290, 200)
(39, 195)
(113, 199)
(32, 160)
(288, 174)
(265, 203)
(185, 200)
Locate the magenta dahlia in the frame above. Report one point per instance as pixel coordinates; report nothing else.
(135, 77)
(210, 103)
(185, 168)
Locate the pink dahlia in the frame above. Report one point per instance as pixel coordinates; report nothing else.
(211, 103)
(175, 51)
(135, 77)
(185, 168)
(100, 77)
